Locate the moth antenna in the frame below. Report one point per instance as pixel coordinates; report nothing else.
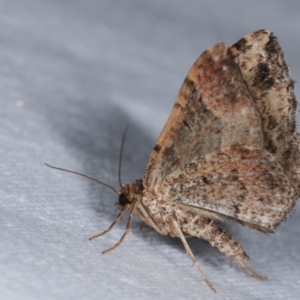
(121, 154)
(86, 176)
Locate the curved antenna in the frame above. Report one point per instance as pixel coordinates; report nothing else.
(121, 153)
(86, 176)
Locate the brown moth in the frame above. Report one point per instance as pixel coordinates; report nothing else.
(229, 151)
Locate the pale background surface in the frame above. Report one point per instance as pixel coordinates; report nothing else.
(72, 75)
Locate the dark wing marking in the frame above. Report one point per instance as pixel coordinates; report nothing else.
(263, 67)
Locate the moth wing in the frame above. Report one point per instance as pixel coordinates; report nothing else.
(263, 67)
(214, 109)
(245, 184)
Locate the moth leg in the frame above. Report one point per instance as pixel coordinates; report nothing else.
(127, 230)
(252, 273)
(207, 229)
(118, 218)
(186, 235)
(175, 231)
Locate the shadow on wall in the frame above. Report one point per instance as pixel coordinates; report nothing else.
(93, 135)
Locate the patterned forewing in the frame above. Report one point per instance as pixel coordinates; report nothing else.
(241, 183)
(214, 109)
(263, 67)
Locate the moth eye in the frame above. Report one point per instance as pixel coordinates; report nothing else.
(123, 200)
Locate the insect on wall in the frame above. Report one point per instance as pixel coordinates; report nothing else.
(229, 151)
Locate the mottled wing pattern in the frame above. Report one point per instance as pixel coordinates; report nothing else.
(213, 110)
(263, 67)
(231, 136)
(242, 183)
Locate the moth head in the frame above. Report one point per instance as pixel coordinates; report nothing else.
(125, 194)
(123, 200)
(130, 193)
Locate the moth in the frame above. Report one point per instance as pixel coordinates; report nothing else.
(228, 152)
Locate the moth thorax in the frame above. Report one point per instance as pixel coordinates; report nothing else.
(131, 192)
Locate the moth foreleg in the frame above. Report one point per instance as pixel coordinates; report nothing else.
(118, 218)
(127, 230)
